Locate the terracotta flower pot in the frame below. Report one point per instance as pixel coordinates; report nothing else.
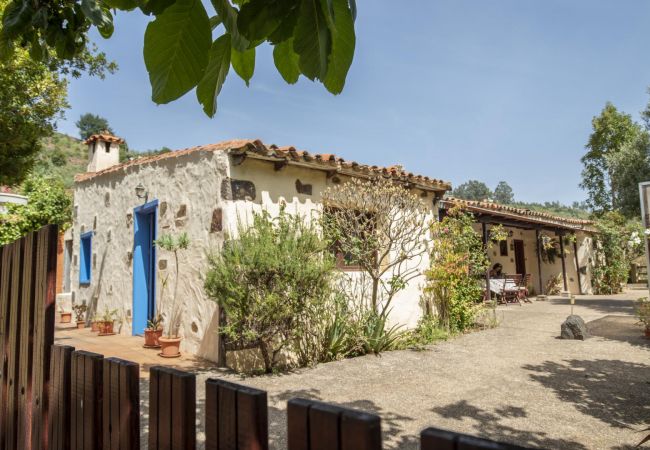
(66, 317)
(151, 337)
(169, 347)
(94, 326)
(81, 324)
(105, 327)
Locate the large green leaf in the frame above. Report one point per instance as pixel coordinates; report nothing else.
(343, 42)
(215, 74)
(286, 61)
(243, 63)
(312, 39)
(176, 47)
(260, 18)
(155, 7)
(16, 15)
(95, 12)
(229, 15)
(125, 5)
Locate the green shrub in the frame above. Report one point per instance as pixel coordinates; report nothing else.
(427, 332)
(271, 281)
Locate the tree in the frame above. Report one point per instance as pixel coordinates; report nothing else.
(472, 190)
(503, 193)
(314, 38)
(612, 131)
(266, 280)
(31, 99)
(48, 203)
(381, 227)
(629, 167)
(89, 124)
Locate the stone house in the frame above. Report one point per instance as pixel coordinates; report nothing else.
(120, 209)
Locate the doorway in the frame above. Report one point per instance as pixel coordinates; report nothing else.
(520, 257)
(144, 265)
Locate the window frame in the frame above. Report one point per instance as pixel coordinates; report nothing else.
(85, 258)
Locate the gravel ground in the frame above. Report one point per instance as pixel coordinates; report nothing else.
(517, 383)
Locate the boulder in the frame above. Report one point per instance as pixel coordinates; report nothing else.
(574, 328)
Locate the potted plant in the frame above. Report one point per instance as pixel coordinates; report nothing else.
(65, 316)
(106, 322)
(643, 313)
(80, 314)
(94, 324)
(153, 332)
(170, 340)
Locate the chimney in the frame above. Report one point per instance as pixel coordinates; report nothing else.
(103, 151)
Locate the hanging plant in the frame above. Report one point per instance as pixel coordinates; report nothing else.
(498, 233)
(549, 248)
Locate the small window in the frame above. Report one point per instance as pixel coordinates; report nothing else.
(85, 253)
(108, 147)
(503, 248)
(364, 224)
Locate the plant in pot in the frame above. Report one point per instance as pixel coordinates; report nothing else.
(643, 313)
(94, 323)
(65, 316)
(106, 322)
(80, 314)
(153, 332)
(170, 340)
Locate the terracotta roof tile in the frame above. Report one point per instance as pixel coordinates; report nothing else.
(289, 154)
(104, 136)
(524, 214)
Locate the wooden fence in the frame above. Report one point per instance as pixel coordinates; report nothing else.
(95, 406)
(27, 295)
(55, 398)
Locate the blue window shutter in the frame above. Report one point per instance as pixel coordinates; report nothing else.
(85, 258)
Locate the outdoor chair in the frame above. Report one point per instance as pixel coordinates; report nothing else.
(510, 290)
(523, 288)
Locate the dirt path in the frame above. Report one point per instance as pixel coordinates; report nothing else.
(517, 383)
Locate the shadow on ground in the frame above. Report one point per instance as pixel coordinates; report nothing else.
(615, 392)
(619, 328)
(605, 305)
(392, 424)
(490, 425)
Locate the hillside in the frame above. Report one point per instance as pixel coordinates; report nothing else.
(62, 156)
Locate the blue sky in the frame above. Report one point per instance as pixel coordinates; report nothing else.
(453, 89)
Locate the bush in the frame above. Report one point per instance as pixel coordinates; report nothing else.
(271, 281)
(458, 262)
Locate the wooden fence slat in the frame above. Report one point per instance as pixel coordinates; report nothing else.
(227, 412)
(43, 337)
(87, 390)
(13, 346)
(121, 408)
(211, 414)
(435, 439)
(298, 424)
(360, 431)
(252, 419)
(5, 290)
(183, 410)
(26, 319)
(154, 415)
(324, 426)
(172, 410)
(60, 397)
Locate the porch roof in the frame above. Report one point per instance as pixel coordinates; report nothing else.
(491, 212)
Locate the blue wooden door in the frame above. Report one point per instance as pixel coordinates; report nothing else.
(144, 265)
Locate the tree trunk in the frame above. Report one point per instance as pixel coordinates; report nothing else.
(268, 361)
(375, 293)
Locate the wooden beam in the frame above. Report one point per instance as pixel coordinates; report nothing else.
(279, 165)
(563, 261)
(538, 250)
(238, 159)
(575, 252)
(487, 271)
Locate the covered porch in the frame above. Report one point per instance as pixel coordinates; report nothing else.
(538, 245)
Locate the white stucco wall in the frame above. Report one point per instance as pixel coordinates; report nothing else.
(192, 180)
(273, 187)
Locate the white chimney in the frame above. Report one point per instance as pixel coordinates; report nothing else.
(103, 151)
